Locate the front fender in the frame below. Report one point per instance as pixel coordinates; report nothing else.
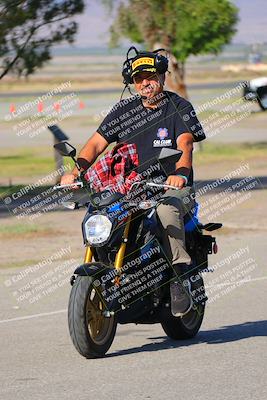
(92, 269)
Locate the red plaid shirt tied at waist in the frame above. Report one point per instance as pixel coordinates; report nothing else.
(115, 170)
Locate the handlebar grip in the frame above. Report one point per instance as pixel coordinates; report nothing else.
(162, 185)
(68, 185)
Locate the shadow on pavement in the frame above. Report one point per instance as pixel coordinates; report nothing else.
(223, 334)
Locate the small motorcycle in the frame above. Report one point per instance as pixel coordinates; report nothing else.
(125, 277)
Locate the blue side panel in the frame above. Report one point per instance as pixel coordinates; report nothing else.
(115, 207)
(147, 250)
(192, 223)
(150, 224)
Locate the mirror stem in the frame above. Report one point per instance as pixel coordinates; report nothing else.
(76, 164)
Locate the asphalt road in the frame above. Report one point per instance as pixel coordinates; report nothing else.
(225, 361)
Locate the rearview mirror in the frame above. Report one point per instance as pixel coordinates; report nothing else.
(167, 159)
(65, 149)
(169, 155)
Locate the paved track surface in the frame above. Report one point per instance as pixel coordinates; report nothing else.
(225, 361)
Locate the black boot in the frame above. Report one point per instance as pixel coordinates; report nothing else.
(181, 298)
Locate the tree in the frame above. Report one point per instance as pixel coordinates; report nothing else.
(29, 29)
(183, 27)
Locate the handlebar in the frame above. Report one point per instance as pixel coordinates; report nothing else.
(161, 185)
(150, 184)
(70, 185)
(153, 184)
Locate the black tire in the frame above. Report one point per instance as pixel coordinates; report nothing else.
(261, 106)
(186, 327)
(92, 334)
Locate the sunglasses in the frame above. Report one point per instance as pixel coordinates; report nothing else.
(139, 78)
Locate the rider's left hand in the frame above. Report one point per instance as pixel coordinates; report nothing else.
(176, 181)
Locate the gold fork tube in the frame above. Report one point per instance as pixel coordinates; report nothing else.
(120, 255)
(88, 255)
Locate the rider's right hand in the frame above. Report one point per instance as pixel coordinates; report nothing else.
(68, 179)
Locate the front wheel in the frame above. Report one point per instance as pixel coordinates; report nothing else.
(91, 332)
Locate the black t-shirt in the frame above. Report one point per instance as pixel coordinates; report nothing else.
(151, 129)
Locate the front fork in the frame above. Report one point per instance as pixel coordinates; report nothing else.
(88, 255)
(121, 252)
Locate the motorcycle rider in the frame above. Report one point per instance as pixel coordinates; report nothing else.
(153, 119)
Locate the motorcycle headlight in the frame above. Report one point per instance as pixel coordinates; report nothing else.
(97, 229)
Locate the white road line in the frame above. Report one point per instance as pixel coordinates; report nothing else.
(33, 316)
(234, 282)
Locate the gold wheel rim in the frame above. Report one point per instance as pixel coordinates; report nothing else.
(99, 326)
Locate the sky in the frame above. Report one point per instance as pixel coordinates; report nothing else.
(252, 26)
(95, 21)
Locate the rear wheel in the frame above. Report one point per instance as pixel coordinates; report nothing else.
(91, 332)
(185, 327)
